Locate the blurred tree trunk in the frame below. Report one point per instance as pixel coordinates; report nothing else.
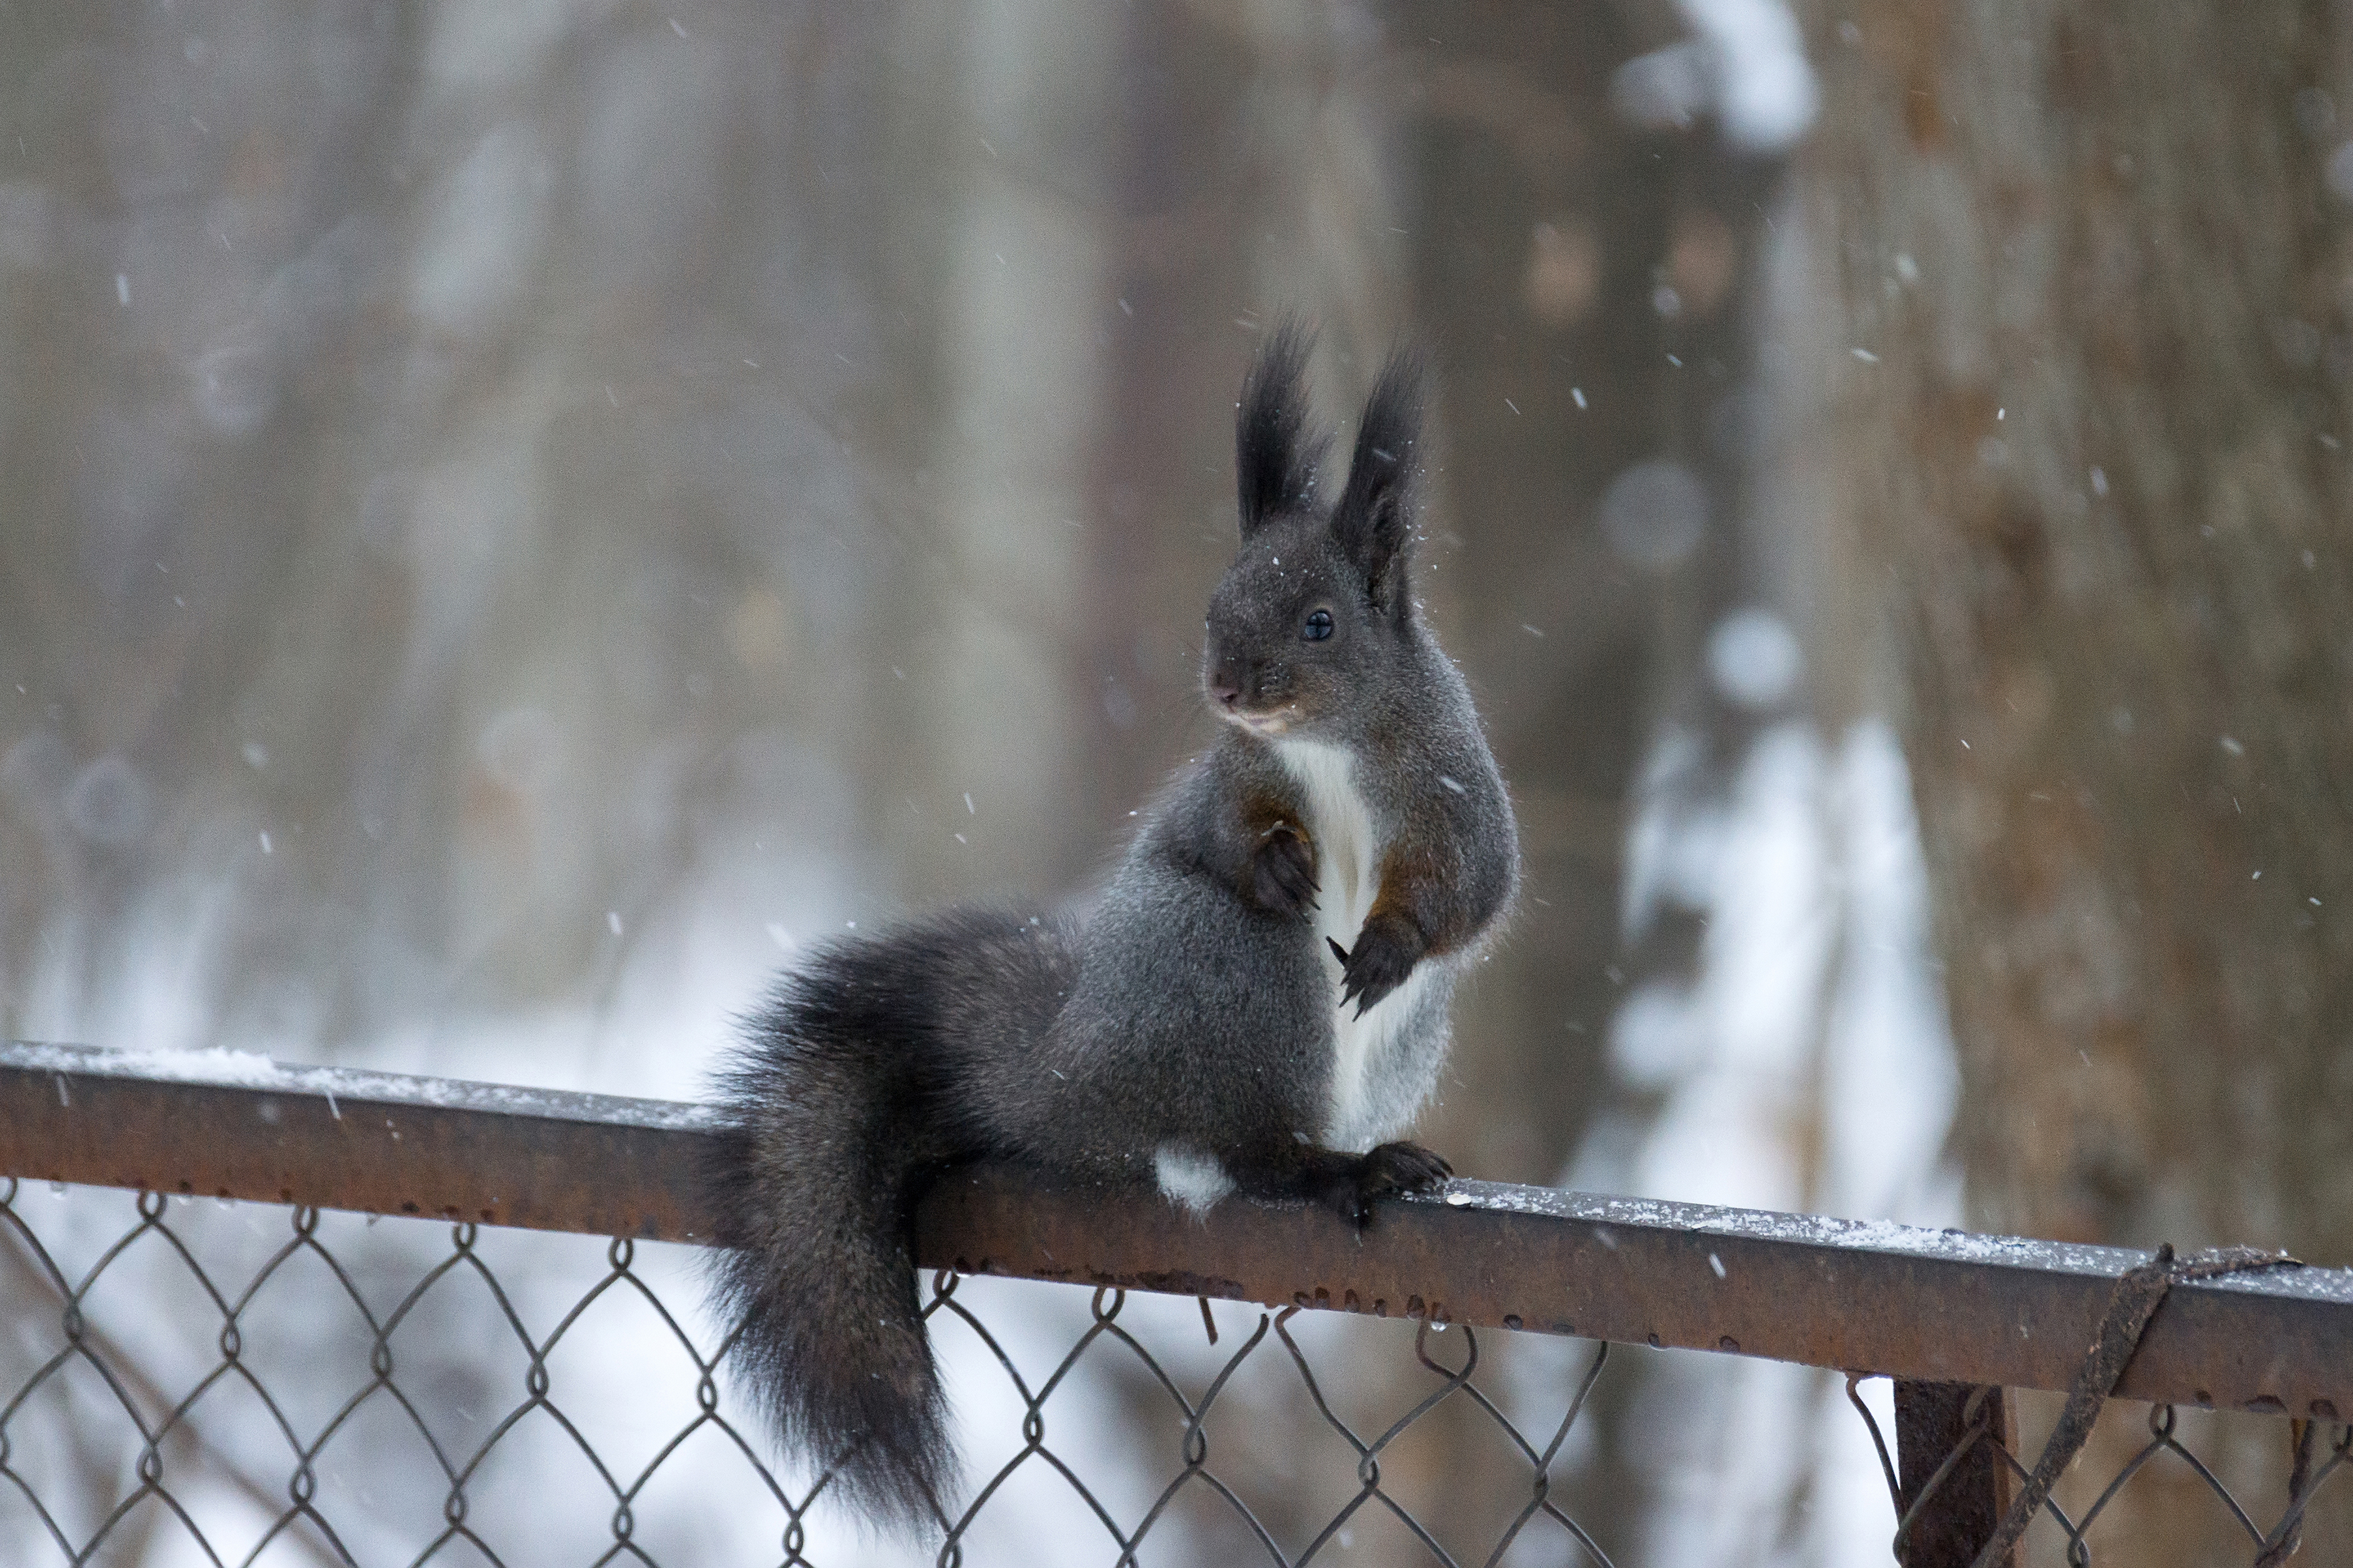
(408, 617)
(1580, 275)
(2088, 357)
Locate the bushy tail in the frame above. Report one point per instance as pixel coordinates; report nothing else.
(854, 1085)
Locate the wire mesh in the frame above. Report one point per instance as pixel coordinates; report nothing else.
(188, 1380)
(2314, 1453)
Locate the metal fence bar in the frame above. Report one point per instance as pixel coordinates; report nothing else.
(1953, 1486)
(1921, 1305)
(222, 1124)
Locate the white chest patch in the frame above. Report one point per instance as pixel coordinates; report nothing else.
(1349, 847)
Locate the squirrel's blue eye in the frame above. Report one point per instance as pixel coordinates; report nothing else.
(1319, 626)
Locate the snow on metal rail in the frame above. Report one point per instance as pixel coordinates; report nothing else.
(1921, 1305)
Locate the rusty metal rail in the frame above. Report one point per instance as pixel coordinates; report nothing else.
(1943, 1306)
(1942, 1311)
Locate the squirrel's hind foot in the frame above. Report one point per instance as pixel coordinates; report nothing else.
(1358, 1181)
(1403, 1168)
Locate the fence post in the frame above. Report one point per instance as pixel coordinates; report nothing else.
(1958, 1518)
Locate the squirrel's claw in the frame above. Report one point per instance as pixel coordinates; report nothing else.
(1282, 872)
(1407, 1168)
(1354, 984)
(1397, 1168)
(1377, 965)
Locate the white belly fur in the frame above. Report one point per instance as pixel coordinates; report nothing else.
(1349, 845)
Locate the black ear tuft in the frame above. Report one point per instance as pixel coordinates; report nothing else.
(1374, 520)
(1274, 452)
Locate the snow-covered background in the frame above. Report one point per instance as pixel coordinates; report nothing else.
(519, 517)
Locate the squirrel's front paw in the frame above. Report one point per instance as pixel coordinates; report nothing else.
(1282, 872)
(1386, 952)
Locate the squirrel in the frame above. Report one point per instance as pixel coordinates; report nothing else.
(1257, 1005)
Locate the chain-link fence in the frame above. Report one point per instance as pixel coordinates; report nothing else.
(192, 1380)
(2304, 1455)
(439, 1404)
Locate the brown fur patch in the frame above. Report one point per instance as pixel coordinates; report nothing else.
(1408, 877)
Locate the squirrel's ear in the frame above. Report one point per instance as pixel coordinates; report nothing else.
(1274, 453)
(1374, 521)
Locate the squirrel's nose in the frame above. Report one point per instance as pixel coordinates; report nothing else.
(1225, 689)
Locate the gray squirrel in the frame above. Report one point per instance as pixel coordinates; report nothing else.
(1257, 1005)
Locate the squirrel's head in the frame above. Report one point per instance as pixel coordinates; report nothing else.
(1311, 613)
